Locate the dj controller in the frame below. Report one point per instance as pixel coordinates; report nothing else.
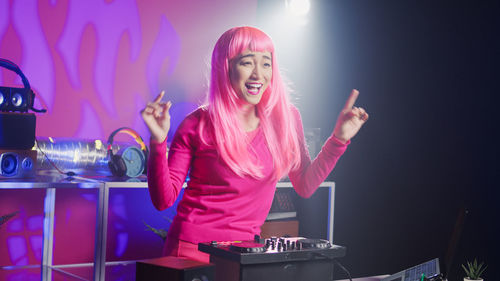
(273, 249)
(275, 258)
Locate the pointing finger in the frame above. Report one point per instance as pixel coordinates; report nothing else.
(351, 100)
(159, 97)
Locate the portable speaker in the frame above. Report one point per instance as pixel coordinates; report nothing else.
(17, 130)
(17, 163)
(17, 99)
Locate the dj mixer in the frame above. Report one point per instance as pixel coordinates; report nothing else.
(275, 258)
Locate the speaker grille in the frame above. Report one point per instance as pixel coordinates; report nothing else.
(17, 163)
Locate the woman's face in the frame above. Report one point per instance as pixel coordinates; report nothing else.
(250, 74)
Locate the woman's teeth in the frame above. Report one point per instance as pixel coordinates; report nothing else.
(253, 88)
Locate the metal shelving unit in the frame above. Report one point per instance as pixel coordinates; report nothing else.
(52, 184)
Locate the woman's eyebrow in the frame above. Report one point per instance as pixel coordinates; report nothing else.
(253, 55)
(247, 55)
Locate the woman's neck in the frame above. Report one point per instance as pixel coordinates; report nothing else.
(248, 117)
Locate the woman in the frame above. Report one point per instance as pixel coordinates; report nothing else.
(236, 148)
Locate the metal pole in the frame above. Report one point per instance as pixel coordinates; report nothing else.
(101, 234)
(48, 232)
(331, 207)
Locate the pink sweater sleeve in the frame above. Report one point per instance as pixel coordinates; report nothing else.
(310, 174)
(167, 173)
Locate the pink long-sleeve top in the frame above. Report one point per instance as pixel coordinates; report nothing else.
(217, 204)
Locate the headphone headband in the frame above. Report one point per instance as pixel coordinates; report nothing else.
(116, 163)
(13, 67)
(130, 132)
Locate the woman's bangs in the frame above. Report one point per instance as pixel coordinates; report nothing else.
(250, 39)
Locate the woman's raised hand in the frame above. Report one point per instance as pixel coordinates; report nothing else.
(350, 119)
(157, 118)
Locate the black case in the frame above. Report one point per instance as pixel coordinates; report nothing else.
(17, 130)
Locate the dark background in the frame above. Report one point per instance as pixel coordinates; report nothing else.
(427, 72)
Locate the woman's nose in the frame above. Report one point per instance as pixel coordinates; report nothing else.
(256, 73)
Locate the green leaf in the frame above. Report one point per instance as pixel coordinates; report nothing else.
(467, 272)
(160, 232)
(474, 270)
(481, 272)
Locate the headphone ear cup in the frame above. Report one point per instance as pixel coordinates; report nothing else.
(117, 166)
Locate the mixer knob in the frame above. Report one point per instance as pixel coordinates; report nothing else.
(256, 238)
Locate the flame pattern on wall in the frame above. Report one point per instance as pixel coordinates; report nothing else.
(94, 64)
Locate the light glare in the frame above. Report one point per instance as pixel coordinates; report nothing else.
(299, 7)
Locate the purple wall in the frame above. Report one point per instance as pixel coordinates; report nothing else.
(93, 65)
(21, 236)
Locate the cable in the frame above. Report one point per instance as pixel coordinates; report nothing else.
(43, 110)
(69, 174)
(38, 110)
(343, 268)
(337, 263)
(42, 101)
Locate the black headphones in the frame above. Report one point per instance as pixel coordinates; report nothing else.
(116, 163)
(17, 99)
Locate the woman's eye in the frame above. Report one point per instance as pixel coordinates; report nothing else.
(267, 65)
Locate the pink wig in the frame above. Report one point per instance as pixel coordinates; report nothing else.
(274, 109)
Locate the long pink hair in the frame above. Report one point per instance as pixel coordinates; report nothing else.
(274, 109)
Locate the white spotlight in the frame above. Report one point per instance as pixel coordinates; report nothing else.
(298, 7)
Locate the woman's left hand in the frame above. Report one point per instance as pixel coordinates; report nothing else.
(350, 119)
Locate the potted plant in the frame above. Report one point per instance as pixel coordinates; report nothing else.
(159, 231)
(5, 218)
(474, 270)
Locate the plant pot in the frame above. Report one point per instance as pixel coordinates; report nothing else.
(467, 279)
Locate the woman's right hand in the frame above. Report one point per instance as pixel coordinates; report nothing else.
(157, 118)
